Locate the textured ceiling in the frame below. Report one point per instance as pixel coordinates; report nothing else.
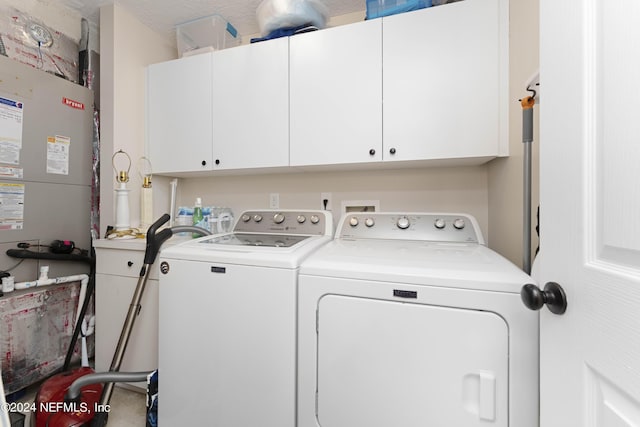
(163, 15)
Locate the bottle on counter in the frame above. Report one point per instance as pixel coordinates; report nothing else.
(198, 217)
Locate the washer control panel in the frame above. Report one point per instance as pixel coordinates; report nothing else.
(436, 227)
(312, 223)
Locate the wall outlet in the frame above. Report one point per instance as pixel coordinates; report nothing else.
(274, 201)
(325, 202)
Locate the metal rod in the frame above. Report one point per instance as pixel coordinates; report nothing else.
(527, 140)
(526, 238)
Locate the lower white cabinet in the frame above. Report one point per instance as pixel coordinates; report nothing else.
(118, 265)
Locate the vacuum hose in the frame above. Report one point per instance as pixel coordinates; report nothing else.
(73, 393)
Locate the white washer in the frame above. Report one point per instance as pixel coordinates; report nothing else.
(410, 320)
(227, 321)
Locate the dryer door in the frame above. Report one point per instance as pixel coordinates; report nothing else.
(385, 363)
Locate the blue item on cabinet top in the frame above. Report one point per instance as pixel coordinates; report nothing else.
(285, 32)
(379, 8)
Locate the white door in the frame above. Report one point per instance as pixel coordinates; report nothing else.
(590, 211)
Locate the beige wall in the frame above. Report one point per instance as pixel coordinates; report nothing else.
(461, 189)
(126, 48)
(506, 175)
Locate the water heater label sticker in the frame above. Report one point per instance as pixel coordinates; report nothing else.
(58, 154)
(9, 172)
(11, 114)
(11, 206)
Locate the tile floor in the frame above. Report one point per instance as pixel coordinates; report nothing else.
(128, 407)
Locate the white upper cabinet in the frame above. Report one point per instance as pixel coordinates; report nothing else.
(428, 86)
(445, 82)
(179, 115)
(336, 95)
(251, 106)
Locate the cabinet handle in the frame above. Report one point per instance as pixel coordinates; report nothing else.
(130, 263)
(217, 161)
(372, 152)
(392, 151)
(204, 163)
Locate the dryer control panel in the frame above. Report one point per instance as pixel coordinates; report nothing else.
(433, 227)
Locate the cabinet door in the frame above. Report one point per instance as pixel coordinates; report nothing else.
(251, 106)
(336, 95)
(179, 115)
(445, 81)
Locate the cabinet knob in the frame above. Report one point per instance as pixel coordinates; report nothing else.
(392, 151)
(372, 152)
(204, 163)
(217, 161)
(130, 263)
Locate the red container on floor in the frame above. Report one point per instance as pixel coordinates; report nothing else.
(51, 410)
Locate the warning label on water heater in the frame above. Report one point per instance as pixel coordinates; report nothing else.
(11, 206)
(11, 115)
(58, 154)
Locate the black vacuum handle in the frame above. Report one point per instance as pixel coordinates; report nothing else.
(155, 240)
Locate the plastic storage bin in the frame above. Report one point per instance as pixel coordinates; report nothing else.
(205, 34)
(378, 8)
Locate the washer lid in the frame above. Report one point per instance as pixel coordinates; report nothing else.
(459, 265)
(248, 239)
(275, 256)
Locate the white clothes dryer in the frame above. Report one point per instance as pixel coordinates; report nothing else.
(227, 321)
(409, 320)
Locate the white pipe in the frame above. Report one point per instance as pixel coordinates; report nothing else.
(83, 278)
(174, 190)
(84, 352)
(86, 331)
